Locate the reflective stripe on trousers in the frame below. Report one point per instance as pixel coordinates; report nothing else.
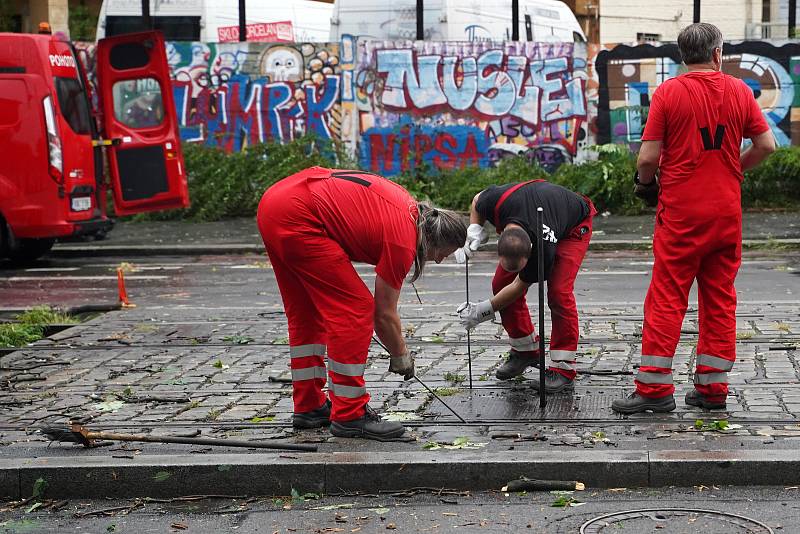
(349, 392)
(523, 344)
(562, 359)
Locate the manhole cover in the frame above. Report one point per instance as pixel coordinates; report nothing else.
(674, 520)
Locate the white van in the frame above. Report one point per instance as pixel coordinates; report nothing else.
(213, 21)
(455, 20)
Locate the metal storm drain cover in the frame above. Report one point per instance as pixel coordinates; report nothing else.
(674, 520)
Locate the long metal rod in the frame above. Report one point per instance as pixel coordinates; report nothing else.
(696, 17)
(540, 262)
(469, 337)
(437, 397)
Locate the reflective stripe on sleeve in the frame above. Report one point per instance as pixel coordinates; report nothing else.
(705, 379)
(662, 362)
(346, 369)
(654, 378)
(301, 351)
(714, 361)
(350, 392)
(563, 365)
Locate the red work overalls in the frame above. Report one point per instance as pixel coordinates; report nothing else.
(698, 235)
(329, 308)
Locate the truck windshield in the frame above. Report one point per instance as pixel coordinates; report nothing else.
(73, 104)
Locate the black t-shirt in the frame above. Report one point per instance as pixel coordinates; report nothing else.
(562, 210)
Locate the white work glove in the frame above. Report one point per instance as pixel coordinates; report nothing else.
(472, 314)
(476, 236)
(402, 365)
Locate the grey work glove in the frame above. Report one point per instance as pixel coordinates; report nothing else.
(476, 236)
(472, 314)
(402, 365)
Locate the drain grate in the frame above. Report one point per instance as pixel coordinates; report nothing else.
(674, 520)
(523, 403)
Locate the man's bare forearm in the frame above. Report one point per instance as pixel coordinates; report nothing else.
(752, 156)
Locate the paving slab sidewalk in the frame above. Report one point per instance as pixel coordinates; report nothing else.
(222, 373)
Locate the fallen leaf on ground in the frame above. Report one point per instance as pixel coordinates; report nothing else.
(333, 506)
(179, 526)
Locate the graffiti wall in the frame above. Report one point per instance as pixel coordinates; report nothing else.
(401, 105)
(628, 76)
(456, 104)
(235, 95)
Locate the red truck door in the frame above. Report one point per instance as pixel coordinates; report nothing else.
(139, 118)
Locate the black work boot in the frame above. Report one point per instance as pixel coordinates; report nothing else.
(695, 398)
(553, 382)
(517, 363)
(370, 426)
(635, 403)
(313, 419)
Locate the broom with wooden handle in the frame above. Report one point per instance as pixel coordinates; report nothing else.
(76, 433)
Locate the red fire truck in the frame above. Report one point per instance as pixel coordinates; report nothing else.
(52, 144)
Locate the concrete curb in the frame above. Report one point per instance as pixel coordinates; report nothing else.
(348, 472)
(77, 251)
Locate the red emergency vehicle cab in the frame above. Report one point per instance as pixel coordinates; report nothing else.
(52, 180)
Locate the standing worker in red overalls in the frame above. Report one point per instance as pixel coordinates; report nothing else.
(314, 224)
(567, 230)
(693, 136)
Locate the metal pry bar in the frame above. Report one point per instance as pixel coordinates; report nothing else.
(540, 284)
(437, 397)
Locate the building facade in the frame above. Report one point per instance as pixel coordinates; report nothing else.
(634, 21)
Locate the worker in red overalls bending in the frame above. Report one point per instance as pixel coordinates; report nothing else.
(693, 136)
(314, 224)
(567, 231)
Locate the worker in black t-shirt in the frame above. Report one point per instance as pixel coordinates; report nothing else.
(567, 229)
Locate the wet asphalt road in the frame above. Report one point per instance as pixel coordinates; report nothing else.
(247, 282)
(777, 508)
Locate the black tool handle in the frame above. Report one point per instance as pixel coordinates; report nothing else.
(469, 338)
(540, 278)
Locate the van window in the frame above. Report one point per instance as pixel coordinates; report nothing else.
(138, 103)
(74, 108)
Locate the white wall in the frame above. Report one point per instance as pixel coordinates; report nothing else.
(621, 20)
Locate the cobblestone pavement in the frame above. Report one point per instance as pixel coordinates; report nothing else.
(206, 351)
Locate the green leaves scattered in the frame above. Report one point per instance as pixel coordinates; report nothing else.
(39, 489)
(718, 426)
(161, 476)
(302, 497)
(111, 405)
(454, 378)
(564, 499)
(265, 419)
(446, 392)
(462, 442)
(238, 340)
(566, 502)
(219, 365)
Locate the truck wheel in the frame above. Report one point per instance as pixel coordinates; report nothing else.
(28, 250)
